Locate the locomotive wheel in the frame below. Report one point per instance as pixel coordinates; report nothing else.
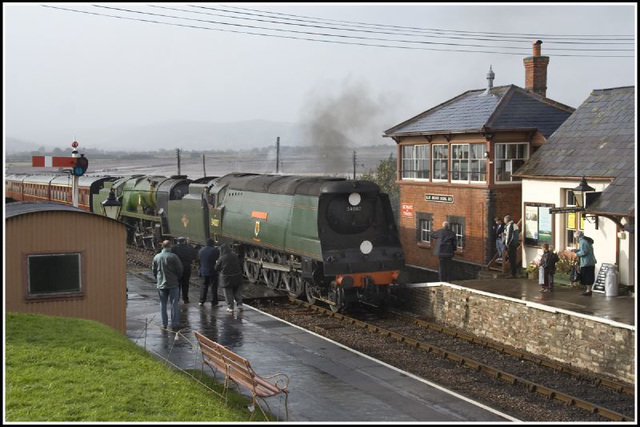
(272, 277)
(138, 240)
(251, 267)
(308, 287)
(296, 285)
(336, 296)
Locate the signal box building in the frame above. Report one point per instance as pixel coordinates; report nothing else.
(456, 163)
(64, 261)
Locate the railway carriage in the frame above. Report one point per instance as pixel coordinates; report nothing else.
(55, 188)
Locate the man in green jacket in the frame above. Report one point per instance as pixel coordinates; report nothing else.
(167, 269)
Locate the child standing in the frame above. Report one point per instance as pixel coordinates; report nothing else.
(548, 263)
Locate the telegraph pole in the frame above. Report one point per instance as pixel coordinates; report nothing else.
(278, 155)
(354, 164)
(178, 156)
(204, 168)
(74, 179)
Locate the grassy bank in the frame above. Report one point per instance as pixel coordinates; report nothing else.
(61, 369)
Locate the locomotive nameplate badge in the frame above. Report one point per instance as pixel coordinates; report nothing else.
(215, 222)
(185, 220)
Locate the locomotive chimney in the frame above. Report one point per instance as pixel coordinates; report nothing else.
(535, 69)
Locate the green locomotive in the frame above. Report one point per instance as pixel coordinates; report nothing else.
(145, 204)
(331, 239)
(326, 238)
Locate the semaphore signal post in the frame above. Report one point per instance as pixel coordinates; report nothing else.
(77, 164)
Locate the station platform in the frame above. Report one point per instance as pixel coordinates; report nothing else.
(620, 309)
(328, 382)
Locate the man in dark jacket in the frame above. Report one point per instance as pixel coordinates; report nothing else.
(187, 255)
(208, 256)
(511, 231)
(445, 247)
(230, 269)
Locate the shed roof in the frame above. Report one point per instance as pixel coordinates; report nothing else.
(501, 108)
(597, 141)
(23, 208)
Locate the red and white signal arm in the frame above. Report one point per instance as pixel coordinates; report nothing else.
(53, 162)
(74, 144)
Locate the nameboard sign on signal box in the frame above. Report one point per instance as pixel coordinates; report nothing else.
(438, 198)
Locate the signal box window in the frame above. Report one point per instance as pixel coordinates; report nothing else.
(415, 161)
(441, 162)
(457, 226)
(54, 275)
(424, 227)
(509, 157)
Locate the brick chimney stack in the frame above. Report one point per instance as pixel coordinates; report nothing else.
(535, 71)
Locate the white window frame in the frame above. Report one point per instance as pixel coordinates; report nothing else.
(509, 160)
(460, 157)
(419, 156)
(440, 160)
(459, 230)
(426, 227)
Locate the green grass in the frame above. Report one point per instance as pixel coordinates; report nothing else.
(62, 369)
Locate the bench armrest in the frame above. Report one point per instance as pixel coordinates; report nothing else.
(281, 378)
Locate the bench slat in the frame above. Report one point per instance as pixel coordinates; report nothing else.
(239, 370)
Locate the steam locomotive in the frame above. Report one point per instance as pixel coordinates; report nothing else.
(325, 238)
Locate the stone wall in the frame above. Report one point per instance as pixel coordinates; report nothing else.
(583, 342)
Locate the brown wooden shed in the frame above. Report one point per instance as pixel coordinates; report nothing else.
(63, 261)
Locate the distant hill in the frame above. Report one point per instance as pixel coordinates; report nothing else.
(16, 145)
(198, 135)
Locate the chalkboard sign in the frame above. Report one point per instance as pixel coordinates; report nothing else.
(598, 285)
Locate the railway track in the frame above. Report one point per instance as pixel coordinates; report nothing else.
(596, 380)
(567, 394)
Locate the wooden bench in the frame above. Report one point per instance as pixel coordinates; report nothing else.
(238, 370)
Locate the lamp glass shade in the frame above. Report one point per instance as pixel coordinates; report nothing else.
(111, 207)
(579, 191)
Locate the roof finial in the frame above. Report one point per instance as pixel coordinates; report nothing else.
(490, 76)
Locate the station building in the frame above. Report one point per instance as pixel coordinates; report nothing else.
(598, 143)
(456, 162)
(64, 261)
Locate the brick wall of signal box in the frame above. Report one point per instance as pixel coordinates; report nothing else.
(470, 203)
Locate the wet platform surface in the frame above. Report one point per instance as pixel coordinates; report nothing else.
(329, 383)
(619, 309)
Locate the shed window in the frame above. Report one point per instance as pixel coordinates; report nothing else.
(54, 275)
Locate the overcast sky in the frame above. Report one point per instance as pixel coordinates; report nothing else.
(67, 73)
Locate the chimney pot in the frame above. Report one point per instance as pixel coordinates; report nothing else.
(537, 48)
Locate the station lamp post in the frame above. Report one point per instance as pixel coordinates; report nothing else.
(111, 207)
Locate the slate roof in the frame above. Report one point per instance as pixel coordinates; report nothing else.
(503, 108)
(597, 141)
(23, 208)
